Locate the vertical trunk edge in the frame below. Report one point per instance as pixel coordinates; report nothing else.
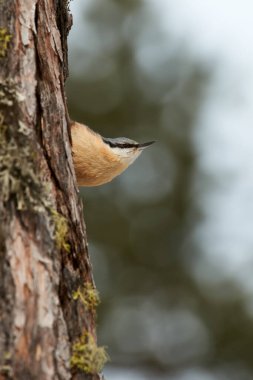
(47, 295)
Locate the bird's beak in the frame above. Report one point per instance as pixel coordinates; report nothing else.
(144, 145)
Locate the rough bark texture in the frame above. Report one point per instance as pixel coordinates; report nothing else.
(43, 247)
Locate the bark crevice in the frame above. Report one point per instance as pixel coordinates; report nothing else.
(43, 245)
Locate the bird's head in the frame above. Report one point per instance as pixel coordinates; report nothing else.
(127, 150)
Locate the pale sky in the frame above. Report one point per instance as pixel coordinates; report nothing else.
(218, 33)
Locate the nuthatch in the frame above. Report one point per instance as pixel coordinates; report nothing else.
(97, 160)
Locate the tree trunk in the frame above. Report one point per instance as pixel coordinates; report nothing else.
(47, 296)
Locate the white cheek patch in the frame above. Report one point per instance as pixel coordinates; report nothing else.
(120, 152)
(126, 155)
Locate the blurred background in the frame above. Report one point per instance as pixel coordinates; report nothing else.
(171, 240)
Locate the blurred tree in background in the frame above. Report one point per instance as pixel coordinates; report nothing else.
(128, 78)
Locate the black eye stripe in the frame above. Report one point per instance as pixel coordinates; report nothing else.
(120, 145)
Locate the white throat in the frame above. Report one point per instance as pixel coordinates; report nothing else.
(127, 155)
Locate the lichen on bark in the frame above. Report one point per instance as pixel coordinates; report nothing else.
(88, 295)
(87, 356)
(43, 245)
(18, 178)
(5, 38)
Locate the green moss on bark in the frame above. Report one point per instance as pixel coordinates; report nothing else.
(5, 38)
(87, 356)
(88, 295)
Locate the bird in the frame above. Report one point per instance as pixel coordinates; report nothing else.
(97, 160)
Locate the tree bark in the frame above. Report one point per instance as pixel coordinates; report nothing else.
(47, 295)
